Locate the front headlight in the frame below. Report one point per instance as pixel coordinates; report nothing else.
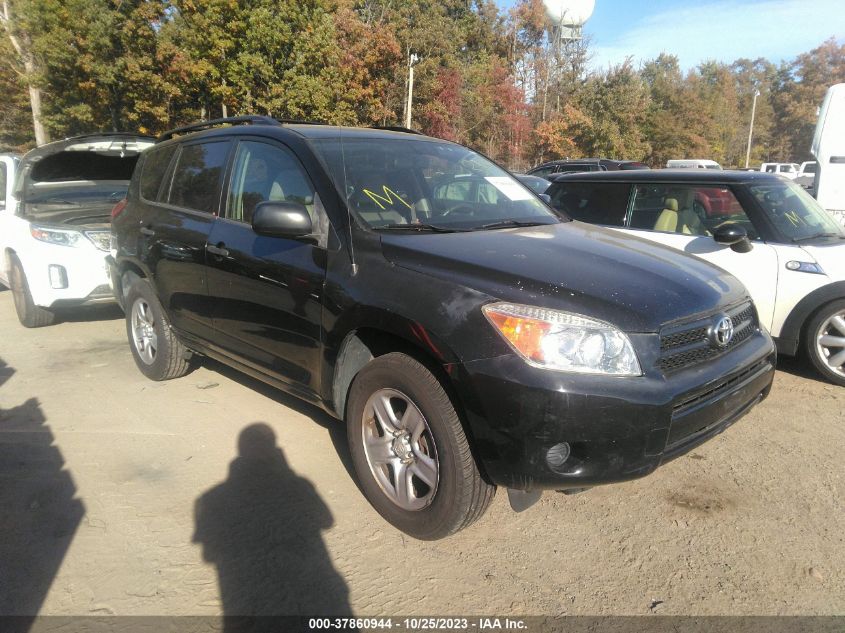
(57, 236)
(552, 339)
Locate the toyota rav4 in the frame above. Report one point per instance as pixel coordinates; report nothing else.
(468, 336)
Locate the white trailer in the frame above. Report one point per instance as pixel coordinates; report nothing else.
(829, 149)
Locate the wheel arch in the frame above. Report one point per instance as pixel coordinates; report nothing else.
(125, 267)
(792, 332)
(363, 343)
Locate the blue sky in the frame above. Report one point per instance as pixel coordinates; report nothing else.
(724, 30)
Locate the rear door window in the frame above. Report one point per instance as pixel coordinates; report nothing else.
(197, 176)
(152, 173)
(596, 203)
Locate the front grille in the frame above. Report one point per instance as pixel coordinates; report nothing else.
(682, 338)
(689, 344)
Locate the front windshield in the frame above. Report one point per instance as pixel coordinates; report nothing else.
(392, 183)
(795, 213)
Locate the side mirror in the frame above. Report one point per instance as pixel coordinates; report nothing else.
(545, 198)
(733, 235)
(281, 219)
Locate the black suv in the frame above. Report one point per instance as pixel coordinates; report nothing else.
(468, 336)
(576, 165)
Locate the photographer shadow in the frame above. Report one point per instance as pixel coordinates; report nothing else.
(262, 529)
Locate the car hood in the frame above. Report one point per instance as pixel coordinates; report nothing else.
(634, 284)
(87, 217)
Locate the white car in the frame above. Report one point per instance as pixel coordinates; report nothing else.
(54, 223)
(768, 232)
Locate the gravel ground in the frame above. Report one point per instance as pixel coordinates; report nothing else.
(123, 496)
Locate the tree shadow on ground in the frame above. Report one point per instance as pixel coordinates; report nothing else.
(262, 529)
(39, 513)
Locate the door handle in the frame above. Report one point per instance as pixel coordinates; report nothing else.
(219, 251)
(147, 231)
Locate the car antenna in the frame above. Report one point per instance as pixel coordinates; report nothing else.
(346, 203)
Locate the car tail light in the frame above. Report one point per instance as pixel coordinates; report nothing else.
(118, 208)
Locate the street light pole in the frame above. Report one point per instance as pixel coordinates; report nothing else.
(412, 59)
(751, 128)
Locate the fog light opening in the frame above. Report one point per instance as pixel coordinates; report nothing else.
(558, 454)
(58, 277)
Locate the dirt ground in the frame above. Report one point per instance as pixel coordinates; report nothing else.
(123, 496)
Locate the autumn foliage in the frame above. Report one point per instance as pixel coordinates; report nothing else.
(486, 77)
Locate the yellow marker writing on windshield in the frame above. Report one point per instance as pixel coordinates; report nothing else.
(388, 197)
(793, 217)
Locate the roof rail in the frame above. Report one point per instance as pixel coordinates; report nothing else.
(395, 128)
(251, 119)
(300, 122)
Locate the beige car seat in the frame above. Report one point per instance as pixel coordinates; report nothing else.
(678, 216)
(667, 221)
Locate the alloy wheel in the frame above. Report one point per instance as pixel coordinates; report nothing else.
(400, 449)
(830, 343)
(143, 331)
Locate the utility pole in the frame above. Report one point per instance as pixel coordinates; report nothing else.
(412, 60)
(751, 128)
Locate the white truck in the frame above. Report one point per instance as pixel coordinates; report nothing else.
(787, 170)
(692, 163)
(55, 221)
(829, 149)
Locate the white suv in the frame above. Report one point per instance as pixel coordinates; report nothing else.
(54, 223)
(765, 230)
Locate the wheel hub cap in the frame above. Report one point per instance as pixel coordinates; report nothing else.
(402, 448)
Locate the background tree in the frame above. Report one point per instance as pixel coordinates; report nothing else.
(22, 22)
(488, 78)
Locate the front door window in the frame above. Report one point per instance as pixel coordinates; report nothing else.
(687, 209)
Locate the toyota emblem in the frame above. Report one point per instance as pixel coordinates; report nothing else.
(722, 332)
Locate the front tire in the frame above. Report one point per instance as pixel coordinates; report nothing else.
(29, 314)
(156, 350)
(410, 452)
(824, 343)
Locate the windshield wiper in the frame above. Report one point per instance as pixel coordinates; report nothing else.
(503, 224)
(818, 235)
(419, 227)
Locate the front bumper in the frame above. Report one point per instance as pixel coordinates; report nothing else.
(615, 428)
(86, 279)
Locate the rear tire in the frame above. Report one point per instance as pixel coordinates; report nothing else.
(29, 314)
(410, 452)
(156, 350)
(824, 343)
